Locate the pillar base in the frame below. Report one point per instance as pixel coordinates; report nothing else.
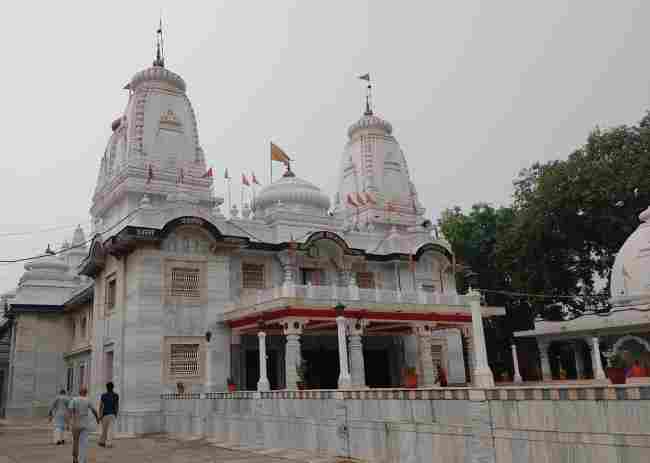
(263, 386)
(483, 378)
(517, 379)
(345, 382)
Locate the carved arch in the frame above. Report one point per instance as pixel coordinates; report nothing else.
(629, 337)
(191, 221)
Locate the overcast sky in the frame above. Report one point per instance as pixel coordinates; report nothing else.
(475, 91)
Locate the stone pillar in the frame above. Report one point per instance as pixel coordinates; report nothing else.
(469, 360)
(292, 355)
(357, 366)
(544, 361)
(515, 362)
(344, 372)
(208, 366)
(263, 383)
(425, 358)
(353, 288)
(598, 365)
(580, 363)
(483, 376)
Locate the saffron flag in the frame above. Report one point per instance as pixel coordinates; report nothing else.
(150, 174)
(278, 155)
(255, 179)
(226, 176)
(244, 180)
(351, 201)
(208, 173)
(365, 77)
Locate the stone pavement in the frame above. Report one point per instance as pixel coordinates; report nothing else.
(28, 441)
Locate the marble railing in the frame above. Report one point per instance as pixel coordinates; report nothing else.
(351, 294)
(538, 424)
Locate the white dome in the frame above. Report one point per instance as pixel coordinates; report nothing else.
(49, 267)
(157, 74)
(631, 271)
(294, 193)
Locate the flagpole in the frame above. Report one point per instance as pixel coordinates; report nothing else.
(229, 195)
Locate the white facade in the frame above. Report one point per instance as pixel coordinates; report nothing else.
(181, 293)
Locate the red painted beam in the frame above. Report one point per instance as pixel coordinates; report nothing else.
(302, 312)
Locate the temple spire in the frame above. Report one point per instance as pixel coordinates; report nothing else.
(160, 51)
(368, 111)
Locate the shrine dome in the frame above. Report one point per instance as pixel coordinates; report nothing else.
(48, 268)
(370, 122)
(292, 193)
(630, 277)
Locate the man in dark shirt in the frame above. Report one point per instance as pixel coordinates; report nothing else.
(108, 409)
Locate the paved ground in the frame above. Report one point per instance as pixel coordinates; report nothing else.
(29, 442)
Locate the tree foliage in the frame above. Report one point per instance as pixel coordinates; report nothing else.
(566, 223)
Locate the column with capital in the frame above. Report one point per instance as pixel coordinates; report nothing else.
(598, 364)
(482, 375)
(577, 352)
(425, 357)
(292, 356)
(515, 362)
(344, 371)
(263, 383)
(288, 262)
(357, 365)
(544, 361)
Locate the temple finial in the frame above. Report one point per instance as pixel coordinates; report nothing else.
(160, 50)
(368, 111)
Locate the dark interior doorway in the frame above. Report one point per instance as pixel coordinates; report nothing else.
(376, 365)
(253, 369)
(322, 368)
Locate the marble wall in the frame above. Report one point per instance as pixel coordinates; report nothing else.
(527, 425)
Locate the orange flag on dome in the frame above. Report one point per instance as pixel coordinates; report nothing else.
(278, 155)
(208, 173)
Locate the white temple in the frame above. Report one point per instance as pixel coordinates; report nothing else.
(288, 291)
(593, 337)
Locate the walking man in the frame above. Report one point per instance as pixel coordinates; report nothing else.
(80, 407)
(58, 412)
(108, 408)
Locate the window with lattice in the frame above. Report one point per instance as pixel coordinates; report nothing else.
(186, 282)
(111, 291)
(365, 280)
(184, 360)
(253, 275)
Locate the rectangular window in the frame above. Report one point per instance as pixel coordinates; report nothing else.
(184, 360)
(365, 280)
(111, 291)
(186, 282)
(253, 276)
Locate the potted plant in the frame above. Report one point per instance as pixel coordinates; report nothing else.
(616, 369)
(232, 387)
(301, 371)
(410, 377)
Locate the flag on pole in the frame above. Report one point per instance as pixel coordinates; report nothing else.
(225, 175)
(351, 201)
(244, 180)
(150, 174)
(255, 180)
(278, 155)
(208, 173)
(365, 77)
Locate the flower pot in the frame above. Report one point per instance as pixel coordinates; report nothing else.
(411, 381)
(232, 387)
(616, 375)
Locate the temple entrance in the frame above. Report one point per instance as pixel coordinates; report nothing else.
(253, 369)
(376, 364)
(322, 368)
